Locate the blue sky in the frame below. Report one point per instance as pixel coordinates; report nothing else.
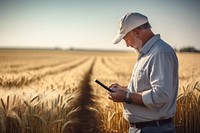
(93, 23)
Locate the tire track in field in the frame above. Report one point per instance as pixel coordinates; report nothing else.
(38, 68)
(22, 81)
(105, 64)
(114, 70)
(89, 119)
(18, 64)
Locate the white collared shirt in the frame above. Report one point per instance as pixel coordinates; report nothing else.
(155, 74)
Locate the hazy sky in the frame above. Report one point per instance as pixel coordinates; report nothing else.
(93, 23)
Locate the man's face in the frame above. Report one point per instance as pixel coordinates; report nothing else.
(132, 41)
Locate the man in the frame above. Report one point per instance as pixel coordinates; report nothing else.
(149, 101)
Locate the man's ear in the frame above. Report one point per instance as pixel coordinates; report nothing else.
(137, 31)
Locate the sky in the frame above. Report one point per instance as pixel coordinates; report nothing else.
(93, 24)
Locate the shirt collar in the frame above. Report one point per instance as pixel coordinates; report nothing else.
(147, 46)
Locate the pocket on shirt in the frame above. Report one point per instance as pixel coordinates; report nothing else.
(139, 73)
(138, 78)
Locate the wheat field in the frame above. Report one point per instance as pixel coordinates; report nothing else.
(49, 91)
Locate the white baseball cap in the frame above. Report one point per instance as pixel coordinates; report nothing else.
(129, 22)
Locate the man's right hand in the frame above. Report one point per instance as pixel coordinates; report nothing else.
(119, 94)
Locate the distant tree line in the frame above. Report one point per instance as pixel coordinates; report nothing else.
(189, 49)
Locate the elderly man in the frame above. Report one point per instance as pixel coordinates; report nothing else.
(149, 101)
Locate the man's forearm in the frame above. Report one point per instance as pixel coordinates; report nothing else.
(137, 98)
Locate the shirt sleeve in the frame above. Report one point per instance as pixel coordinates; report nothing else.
(161, 80)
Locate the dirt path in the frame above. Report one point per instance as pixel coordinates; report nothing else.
(88, 119)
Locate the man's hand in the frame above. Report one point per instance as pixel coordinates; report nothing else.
(119, 94)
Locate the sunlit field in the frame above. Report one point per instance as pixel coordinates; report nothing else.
(43, 91)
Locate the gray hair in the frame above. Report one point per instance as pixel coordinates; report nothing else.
(144, 26)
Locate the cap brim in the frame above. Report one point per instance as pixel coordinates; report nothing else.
(118, 38)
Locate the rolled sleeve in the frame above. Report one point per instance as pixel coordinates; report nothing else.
(161, 81)
(147, 99)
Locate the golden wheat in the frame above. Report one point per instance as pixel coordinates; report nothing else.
(53, 91)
